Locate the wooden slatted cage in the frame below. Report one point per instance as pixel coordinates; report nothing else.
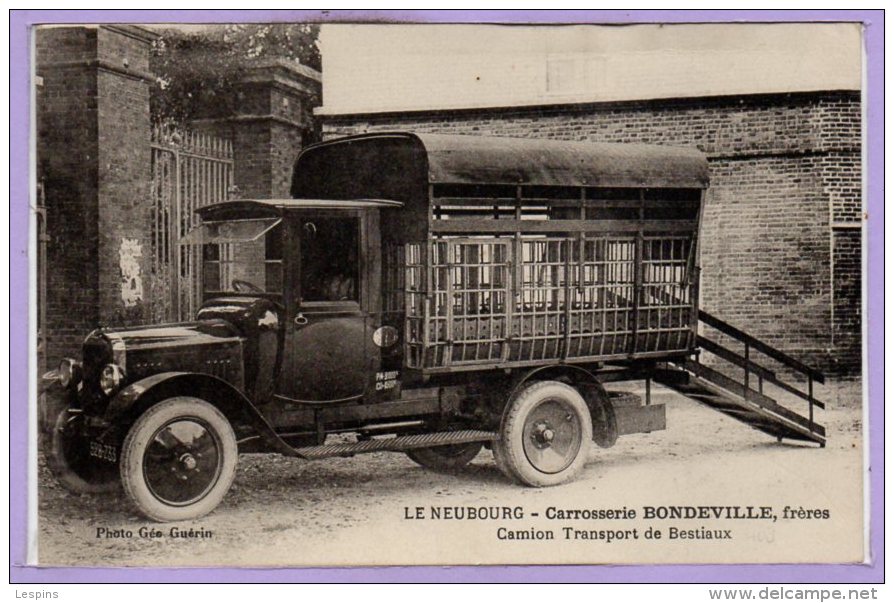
(603, 279)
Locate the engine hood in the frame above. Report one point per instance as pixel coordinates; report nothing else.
(171, 335)
(229, 339)
(218, 319)
(204, 346)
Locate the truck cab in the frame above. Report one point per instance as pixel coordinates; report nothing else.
(319, 262)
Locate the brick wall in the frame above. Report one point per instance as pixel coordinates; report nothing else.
(66, 163)
(846, 299)
(251, 163)
(124, 171)
(272, 122)
(93, 157)
(765, 253)
(783, 168)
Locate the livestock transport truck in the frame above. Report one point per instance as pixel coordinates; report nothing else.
(426, 294)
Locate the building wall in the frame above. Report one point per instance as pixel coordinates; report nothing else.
(384, 67)
(273, 120)
(123, 155)
(93, 159)
(66, 143)
(847, 299)
(784, 169)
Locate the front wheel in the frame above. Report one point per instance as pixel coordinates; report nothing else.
(449, 458)
(179, 459)
(545, 434)
(68, 458)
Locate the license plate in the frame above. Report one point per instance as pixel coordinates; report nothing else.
(106, 452)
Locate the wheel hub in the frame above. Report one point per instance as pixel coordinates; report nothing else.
(542, 434)
(188, 461)
(552, 436)
(182, 462)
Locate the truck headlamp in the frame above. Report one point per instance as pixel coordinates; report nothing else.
(69, 372)
(110, 378)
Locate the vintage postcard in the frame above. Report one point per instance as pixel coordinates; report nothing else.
(367, 294)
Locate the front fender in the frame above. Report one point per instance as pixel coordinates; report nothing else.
(137, 397)
(52, 399)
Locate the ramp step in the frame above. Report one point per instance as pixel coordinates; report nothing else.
(744, 413)
(736, 391)
(753, 408)
(395, 444)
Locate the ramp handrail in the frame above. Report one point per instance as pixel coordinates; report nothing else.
(753, 369)
(757, 344)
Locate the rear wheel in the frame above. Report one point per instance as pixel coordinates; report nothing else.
(545, 434)
(500, 461)
(68, 458)
(446, 458)
(179, 459)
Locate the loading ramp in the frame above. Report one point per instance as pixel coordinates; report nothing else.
(738, 385)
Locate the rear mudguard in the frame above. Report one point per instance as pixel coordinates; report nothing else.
(602, 412)
(136, 398)
(568, 373)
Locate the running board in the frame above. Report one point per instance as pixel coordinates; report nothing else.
(395, 444)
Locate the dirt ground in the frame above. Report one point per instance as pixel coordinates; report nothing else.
(287, 512)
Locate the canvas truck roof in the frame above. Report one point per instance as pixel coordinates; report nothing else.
(465, 159)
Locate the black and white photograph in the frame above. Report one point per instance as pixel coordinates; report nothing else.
(390, 294)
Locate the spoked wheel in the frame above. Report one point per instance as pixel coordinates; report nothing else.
(446, 458)
(545, 435)
(179, 459)
(68, 458)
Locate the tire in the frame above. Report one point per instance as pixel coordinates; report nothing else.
(68, 458)
(178, 460)
(545, 434)
(450, 459)
(502, 465)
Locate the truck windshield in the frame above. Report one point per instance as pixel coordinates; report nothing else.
(242, 256)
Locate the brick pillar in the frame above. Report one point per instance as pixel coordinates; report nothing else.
(273, 121)
(93, 157)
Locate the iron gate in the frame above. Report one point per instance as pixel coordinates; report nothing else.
(189, 170)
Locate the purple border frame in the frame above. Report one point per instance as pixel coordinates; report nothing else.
(21, 20)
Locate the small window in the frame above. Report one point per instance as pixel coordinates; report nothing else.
(232, 231)
(330, 266)
(242, 257)
(273, 261)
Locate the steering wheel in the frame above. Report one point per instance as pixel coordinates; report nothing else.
(241, 286)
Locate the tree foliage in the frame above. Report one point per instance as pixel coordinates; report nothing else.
(196, 71)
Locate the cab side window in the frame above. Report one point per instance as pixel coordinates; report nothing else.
(273, 260)
(330, 267)
(255, 261)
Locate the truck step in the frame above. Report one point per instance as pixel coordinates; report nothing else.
(395, 444)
